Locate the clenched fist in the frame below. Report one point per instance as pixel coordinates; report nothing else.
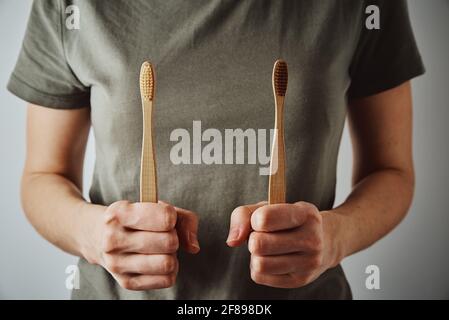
(288, 245)
(137, 243)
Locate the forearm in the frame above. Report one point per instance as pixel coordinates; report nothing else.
(375, 206)
(55, 207)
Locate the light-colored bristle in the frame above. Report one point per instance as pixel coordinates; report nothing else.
(147, 81)
(280, 77)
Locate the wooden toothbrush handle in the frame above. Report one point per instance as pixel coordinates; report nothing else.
(276, 193)
(148, 182)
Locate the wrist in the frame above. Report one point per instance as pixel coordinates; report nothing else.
(333, 229)
(90, 218)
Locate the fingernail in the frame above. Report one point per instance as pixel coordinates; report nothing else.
(193, 240)
(233, 235)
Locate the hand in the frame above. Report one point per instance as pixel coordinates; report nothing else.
(288, 243)
(137, 243)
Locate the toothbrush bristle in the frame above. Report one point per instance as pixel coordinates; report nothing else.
(280, 77)
(147, 81)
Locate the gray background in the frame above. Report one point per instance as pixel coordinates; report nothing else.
(413, 260)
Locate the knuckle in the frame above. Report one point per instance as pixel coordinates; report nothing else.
(239, 211)
(113, 265)
(319, 244)
(169, 217)
(172, 242)
(309, 277)
(316, 217)
(258, 264)
(135, 284)
(168, 264)
(168, 281)
(117, 206)
(256, 277)
(315, 261)
(308, 245)
(313, 244)
(110, 242)
(298, 280)
(316, 244)
(127, 283)
(123, 204)
(255, 243)
(308, 207)
(260, 219)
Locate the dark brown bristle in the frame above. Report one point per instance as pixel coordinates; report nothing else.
(280, 77)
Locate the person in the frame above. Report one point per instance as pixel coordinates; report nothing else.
(213, 62)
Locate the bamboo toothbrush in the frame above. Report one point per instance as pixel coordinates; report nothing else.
(276, 192)
(148, 181)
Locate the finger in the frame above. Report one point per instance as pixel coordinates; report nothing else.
(283, 242)
(283, 216)
(157, 264)
(187, 228)
(278, 281)
(145, 282)
(240, 226)
(283, 264)
(145, 216)
(143, 242)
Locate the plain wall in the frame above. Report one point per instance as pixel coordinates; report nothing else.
(413, 260)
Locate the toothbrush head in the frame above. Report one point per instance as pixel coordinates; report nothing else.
(147, 81)
(280, 77)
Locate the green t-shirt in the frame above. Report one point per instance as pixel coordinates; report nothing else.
(213, 62)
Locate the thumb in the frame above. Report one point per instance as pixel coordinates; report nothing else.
(240, 226)
(187, 229)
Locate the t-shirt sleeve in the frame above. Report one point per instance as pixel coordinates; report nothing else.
(42, 74)
(385, 57)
